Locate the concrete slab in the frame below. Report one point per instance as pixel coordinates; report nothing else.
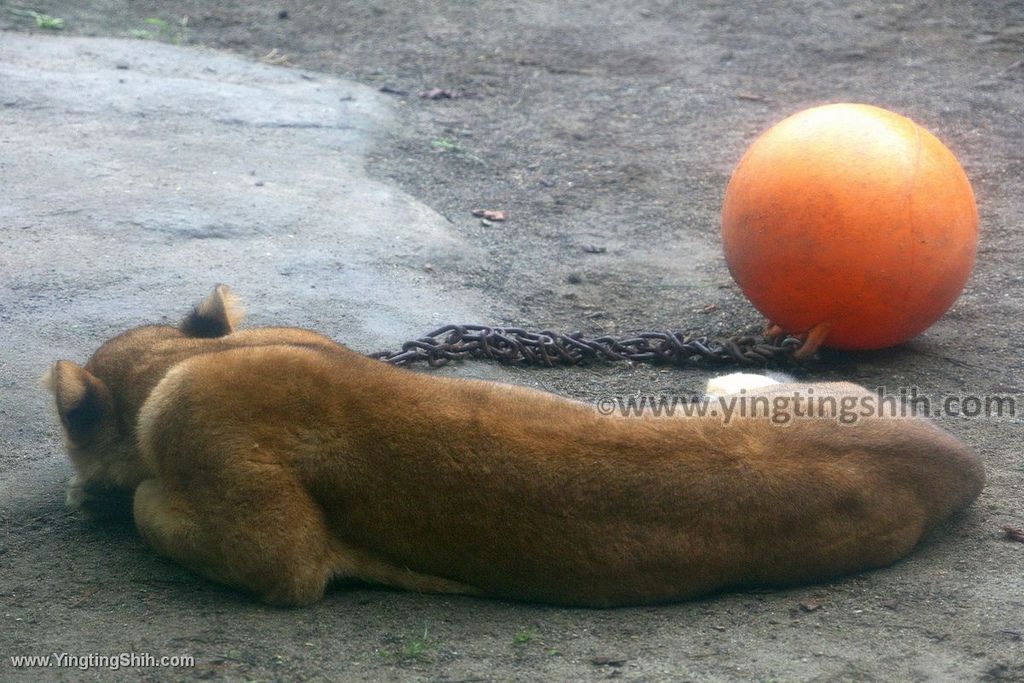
(123, 157)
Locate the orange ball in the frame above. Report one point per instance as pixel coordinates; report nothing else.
(851, 223)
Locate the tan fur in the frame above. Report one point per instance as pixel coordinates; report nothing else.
(275, 460)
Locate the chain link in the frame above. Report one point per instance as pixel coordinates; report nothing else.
(513, 345)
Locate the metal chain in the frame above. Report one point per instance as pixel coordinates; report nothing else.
(513, 345)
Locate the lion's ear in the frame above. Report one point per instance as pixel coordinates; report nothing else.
(83, 401)
(216, 316)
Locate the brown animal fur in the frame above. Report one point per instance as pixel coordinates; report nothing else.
(274, 460)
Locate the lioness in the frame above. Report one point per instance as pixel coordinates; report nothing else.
(275, 459)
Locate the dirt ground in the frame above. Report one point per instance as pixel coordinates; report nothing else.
(591, 123)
